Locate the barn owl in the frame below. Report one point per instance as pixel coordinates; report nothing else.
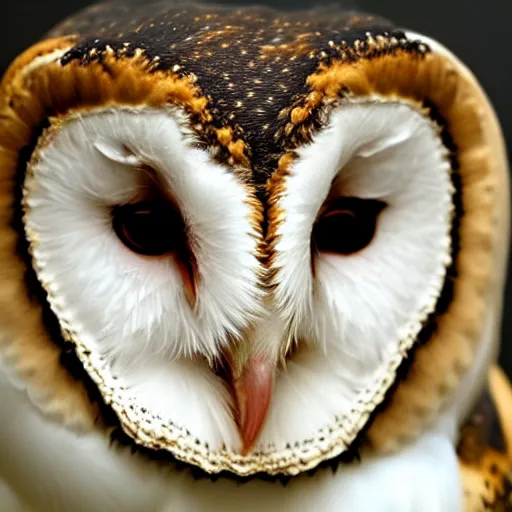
(251, 260)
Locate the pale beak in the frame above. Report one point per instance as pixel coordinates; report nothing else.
(252, 388)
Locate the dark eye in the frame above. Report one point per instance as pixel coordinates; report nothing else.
(346, 225)
(149, 228)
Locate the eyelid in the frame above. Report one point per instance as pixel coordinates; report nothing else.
(335, 211)
(343, 204)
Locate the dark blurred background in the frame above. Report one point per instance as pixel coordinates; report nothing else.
(478, 32)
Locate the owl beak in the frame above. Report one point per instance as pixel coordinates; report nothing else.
(252, 389)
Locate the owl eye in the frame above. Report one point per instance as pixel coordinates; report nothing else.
(346, 225)
(147, 228)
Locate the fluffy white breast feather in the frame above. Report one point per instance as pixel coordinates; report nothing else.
(85, 474)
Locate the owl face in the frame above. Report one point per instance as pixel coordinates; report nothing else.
(244, 294)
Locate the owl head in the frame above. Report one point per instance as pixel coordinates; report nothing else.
(249, 240)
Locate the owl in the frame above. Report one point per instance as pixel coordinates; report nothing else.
(252, 261)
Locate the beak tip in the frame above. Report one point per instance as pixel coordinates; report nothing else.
(249, 435)
(246, 449)
(254, 391)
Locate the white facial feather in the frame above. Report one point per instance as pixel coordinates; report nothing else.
(351, 315)
(356, 308)
(133, 308)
